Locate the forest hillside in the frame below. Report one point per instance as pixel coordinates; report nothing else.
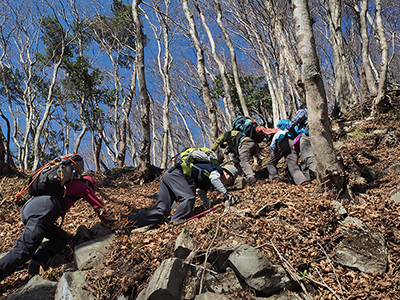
(296, 226)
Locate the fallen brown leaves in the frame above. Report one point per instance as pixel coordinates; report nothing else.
(304, 230)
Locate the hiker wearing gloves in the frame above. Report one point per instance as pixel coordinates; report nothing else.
(300, 121)
(39, 215)
(282, 146)
(176, 187)
(243, 148)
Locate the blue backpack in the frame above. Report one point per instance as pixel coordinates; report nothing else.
(248, 128)
(283, 124)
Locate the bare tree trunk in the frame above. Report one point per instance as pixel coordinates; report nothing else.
(3, 163)
(212, 113)
(3, 68)
(49, 104)
(96, 146)
(235, 70)
(261, 50)
(221, 67)
(285, 49)
(127, 107)
(144, 97)
(5, 152)
(189, 132)
(84, 126)
(380, 99)
(345, 92)
(164, 70)
(328, 166)
(365, 47)
(99, 138)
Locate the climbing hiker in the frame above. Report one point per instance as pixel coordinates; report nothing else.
(282, 146)
(243, 148)
(39, 215)
(300, 121)
(176, 187)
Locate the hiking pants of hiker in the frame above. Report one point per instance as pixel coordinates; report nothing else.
(236, 162)
(38, 216)
(284, 148)
(307, 154)
(173, 187)
(247, 149)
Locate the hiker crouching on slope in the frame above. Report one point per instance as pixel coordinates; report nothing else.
(39, 215)
(242, 149)
(307, 155)
(175, 187)
(282, 146)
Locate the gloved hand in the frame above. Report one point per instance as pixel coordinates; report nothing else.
(230, 199)
(228, 150)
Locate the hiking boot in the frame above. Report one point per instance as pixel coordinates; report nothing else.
(34, 267)
(251, 180)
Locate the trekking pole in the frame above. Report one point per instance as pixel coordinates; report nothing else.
(191, 218)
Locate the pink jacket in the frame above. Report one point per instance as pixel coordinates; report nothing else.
(266, 131)
(78, 189)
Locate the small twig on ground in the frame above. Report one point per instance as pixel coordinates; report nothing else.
(272, 205)
(239, 235)
(207, 255)
(330, 263)
(265, 244)
(1, 195)
(323, 284)
(191, 256)
(325, 182)
(204, 269)
(290, 269)
(316, 282)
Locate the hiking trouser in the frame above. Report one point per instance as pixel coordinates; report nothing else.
(247, 149)
(173, 187)
(38, 216)
(307, 155)
(236, 162)
(284, 148)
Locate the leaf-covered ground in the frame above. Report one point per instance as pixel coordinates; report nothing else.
(299, 228)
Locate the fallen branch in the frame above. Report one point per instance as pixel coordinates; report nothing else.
(204, 269)
(275, 205)
(265, 244)
(207, 255)
(323, 250)
(323, 284)
(330, 263)
(1, 195)
(290, 270)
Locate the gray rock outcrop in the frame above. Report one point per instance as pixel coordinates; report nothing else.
(184, 244)
(72, 287)
(363, 248)
(167, 282)
(90, 254)
(258, 272)
(36, 289)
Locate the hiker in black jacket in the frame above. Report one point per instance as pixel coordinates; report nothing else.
(39, 215)
(175, 187)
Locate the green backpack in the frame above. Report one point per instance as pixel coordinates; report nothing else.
(248, 128)
(190, 156)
